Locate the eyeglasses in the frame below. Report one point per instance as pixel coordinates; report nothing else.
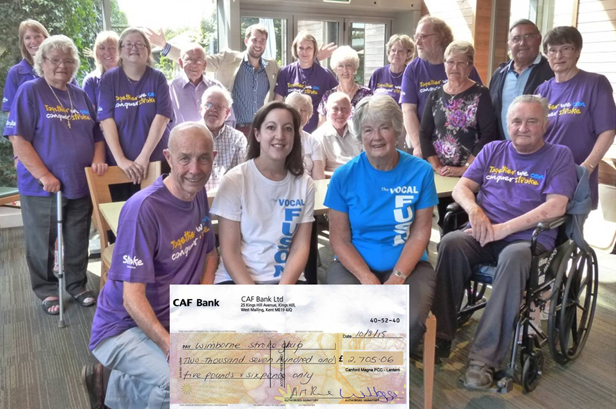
(138, 46)
(398, 51)
(525, 37)
(419, 37)
(347, 66)
(337, 110)
(209, 105)
(194, 61)
(56, 62)
(564, 50)
(451, 63)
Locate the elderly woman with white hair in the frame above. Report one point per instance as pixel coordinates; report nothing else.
(312, 151)
(381, 212)
(344, 62)
(458, 119)
(105, 53)
(53, 129)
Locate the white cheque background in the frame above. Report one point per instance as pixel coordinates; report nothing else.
(318, 308)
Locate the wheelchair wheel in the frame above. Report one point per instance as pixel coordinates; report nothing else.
(531, 370)
(578, 305)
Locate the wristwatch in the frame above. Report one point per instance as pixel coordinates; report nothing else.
(399, 274)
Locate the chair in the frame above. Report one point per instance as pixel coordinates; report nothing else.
(8, 195)
(99, 192)
(428, 359)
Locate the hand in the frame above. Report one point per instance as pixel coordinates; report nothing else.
(99, 168)
(144, 163)
(132, 169)
(394, 280)
(369, 278)
(417, 151)
(157, 37)
(50, 183)
(326, 51)
(481, 227)
(452, 171)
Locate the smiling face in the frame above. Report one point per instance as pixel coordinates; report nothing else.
(305, 52)
(338, 112)
(275, 136)
(190, 156)
(107, 54)
(345, 70)
(256, 43)
(524, 43)
(527, 125)
(32, 40)
(379, 140)
(134, 50)
(193, 63)
(58, 67)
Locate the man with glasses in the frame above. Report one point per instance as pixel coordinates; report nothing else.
(229, 143)
(425, 74)
(187, 90)
(522, 75)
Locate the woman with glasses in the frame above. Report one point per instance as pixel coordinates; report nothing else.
(582, 112)
(458, 119)
(105, 54)
(53, 129)
(344, 62)
(388, 79)
(265, 205)
(304, 76)
(134, 108)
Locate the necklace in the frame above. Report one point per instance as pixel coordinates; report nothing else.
(68, 121)
(351, 92)
(396, 76)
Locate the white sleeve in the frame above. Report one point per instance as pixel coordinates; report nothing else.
(308, 216)
(228, 200)
(317, 149)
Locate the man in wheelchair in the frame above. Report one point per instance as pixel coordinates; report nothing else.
(518, 184)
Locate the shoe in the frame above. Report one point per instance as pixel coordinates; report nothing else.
(47, 305)
(478, 376)
(92, 379)
(85, 299)
(442, 350)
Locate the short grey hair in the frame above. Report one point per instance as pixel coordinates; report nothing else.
(298, 99)
(191, 47)
(530, 99)
(213, 89)
(461, 47)
(380, 108)
(57, 42)
(440, 27)
(523, 22)
(344, 53)
(335, 97)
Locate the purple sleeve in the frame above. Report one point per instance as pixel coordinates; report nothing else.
(10, 89)
(88, 86)
(333, 82)
(163, 99)
(476, 170)
(603, 108)
(133, 259)
(408, 94)
(373, 81)
(475, 76)
(563, 177)
(97, 132)
(322, 110)
(106, 97)
(24, 114)
(281, 83)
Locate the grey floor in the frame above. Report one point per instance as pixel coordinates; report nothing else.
(40, 364)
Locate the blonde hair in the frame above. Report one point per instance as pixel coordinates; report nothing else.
(57, 42)
(461, 47)
(298, 99)
(131, 30)
(31, 25)
(302, 36)
(101, 38)
(406, 42)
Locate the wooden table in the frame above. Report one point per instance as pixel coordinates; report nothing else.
(445, 185)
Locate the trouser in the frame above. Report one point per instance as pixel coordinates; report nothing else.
(458, 253)
(40, 232)
(139, 371)
(421, 284)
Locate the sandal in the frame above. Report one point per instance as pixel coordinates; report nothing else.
(85, 299)
(47, 306)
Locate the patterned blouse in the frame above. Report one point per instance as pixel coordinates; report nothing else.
(455, 126)
(361, 93)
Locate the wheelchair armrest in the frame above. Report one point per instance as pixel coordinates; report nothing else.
(453, 207)
(551, 223)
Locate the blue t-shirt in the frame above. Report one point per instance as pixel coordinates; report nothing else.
(381, 205)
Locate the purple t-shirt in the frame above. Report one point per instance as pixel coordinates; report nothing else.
(513, 184)
(421, 78)
(580, 110)
(313, 81)
(133, 106)
(162, 240)
(383, 81)
(37, 116)
(90, 85)
(17, 75)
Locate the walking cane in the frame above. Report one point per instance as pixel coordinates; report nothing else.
(60, 258)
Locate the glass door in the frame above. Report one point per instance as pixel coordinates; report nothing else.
(368, 39)
(325, 29)
(277, 43)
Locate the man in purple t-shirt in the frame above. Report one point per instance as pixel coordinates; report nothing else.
(425, 74)
(519, 183)
(164, 238)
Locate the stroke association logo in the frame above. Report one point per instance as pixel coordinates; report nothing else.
(132, 262)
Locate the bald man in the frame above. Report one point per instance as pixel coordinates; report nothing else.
(164, 238)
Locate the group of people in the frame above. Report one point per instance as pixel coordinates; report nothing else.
(235, 135)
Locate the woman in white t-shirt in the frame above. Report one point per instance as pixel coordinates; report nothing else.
(265, 205)
(314, 162)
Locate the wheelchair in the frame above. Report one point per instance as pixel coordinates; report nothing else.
(563, 281)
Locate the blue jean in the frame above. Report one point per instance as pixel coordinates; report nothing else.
(139, 371)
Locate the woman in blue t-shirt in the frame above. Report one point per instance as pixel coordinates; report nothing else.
(381, 212)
